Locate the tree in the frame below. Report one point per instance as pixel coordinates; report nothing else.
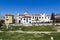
(53, 18)
(0, 23)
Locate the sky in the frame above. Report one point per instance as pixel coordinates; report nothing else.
(33, 6)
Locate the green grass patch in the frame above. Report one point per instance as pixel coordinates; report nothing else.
(21, 36)
(31, 28)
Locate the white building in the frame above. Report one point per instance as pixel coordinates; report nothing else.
(19, 18)
(40, 18)
(26, 20)
(33, 18)
(23, 18)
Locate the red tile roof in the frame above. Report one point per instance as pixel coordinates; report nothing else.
(8, 15)
(35, 15)
(57, 16)
(26, 16)
(21, 15)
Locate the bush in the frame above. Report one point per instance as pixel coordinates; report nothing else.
(57, 20)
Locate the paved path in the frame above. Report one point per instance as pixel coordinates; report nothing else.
(30, 32)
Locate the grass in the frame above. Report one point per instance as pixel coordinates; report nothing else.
(30, 28)
(21, 36)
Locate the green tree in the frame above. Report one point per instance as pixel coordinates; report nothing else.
(57, 20)
(0, 23)
(53, 18)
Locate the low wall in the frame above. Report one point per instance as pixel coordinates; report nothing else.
(30, 24)
(34, 24)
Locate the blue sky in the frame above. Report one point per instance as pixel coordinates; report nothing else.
(33, 6)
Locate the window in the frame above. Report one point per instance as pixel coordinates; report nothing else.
(24, 22)
(29, 18)
(21, 18)
(45, 17)
(42, 17)
(39, 17)
(7, 19)
(33, 17)
(29, 22)
(24, 18)
(48, 17)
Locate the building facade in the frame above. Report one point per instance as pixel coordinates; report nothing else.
(40, 18)
(32, 18)
(27, 19)
(9, 18)
(20, 16)
(23, 18)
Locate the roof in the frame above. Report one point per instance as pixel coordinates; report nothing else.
(35, 15)
(8, 15)
(57, 16)
(26, 16)
(21, 15)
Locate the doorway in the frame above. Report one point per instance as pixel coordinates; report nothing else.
(19, 21)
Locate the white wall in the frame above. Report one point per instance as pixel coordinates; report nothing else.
(42, 19)
(24, 21)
